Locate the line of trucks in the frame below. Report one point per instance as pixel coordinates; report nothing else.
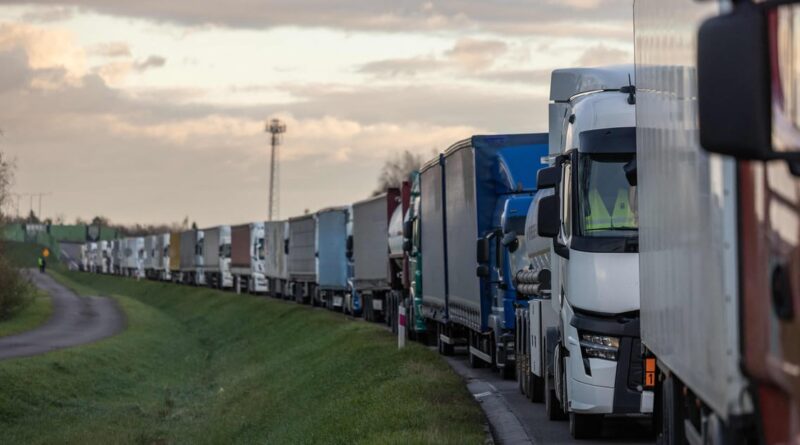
(615, 266)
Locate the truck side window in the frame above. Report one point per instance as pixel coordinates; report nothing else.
(566, 203)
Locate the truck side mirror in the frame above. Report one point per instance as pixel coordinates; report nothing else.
(734, 97)
(548, 178)
(482, 271)
(482, 253)
(349, 248)
(548, 220)
(510, 241)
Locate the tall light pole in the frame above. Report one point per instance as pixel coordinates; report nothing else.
(276, 128)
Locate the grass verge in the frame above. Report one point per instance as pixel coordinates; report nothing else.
(201, 366)
(36, 312)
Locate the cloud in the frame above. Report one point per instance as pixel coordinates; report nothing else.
(510, 16)
(601, 55)
(408, 67)
(476, 55)
(150, 62)
(49, 14)
(111, 49)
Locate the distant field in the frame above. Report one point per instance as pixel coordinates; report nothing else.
(202, 366)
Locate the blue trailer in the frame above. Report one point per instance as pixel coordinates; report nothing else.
(473, 194)
(331, 256)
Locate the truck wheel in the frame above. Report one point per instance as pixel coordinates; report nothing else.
(520, 375)
(475, 362)
(585, 426)
(551, 404)
(535, 388)
(444, 348)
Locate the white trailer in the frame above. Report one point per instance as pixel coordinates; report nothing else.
(276, 236)
(217, 257)
(162, 271)
(595, 367)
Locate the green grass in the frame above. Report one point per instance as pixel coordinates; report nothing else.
(199, 366)
(35, 313)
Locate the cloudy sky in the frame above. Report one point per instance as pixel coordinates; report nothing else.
(153, 110)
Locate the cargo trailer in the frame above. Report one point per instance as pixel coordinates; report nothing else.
(331, 257)
(466, 193)
(116, 257)
(150, 264)
(247, 258)
(133, 257)
(103, 256)
(720, 210)
(217, 257)
(302, 259)
(192, 257)
(276, 267)
(175, 257)
(162, 257)
(371, 275)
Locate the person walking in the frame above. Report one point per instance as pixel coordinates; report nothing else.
(42, 264)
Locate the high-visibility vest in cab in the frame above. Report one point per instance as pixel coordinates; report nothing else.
(599, 218)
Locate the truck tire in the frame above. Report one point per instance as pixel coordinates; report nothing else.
(551, 404)
(585, 426)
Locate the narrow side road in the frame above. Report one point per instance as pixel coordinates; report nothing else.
(75, 321)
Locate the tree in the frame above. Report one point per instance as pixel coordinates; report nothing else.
(32, 218)
(7, 168)
(396, 170)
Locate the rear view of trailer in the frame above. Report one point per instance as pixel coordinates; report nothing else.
(175, 256)
(432, 244)
(302, 260)
(371, 251)
(276, 267)
(331, 255)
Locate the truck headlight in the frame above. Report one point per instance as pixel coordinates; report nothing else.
(599, 346)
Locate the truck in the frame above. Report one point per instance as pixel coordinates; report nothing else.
(592, 366)
(467, 292)
(370, 253)
(191, 257)
(331, 257)
(91, 256)
(217, 257)
(103, 257)
(150, 264)
(302, 260)
(276, 267)
(718, 127)
(247, 258)
(400, 275)
(116, 256)
(175, 257)
(133, 257)
(416, 326)
(162, 271)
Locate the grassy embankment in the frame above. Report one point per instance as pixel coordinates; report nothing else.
(38, 307)
(201, 366)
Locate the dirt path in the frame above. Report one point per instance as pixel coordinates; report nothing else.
(75, 321)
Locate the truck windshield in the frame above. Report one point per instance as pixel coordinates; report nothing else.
(225, 251)
(606, 200)
(259, 246)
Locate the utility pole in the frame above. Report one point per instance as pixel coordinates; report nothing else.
(276, 128)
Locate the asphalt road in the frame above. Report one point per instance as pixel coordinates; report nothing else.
(515, 420)
(75, 321)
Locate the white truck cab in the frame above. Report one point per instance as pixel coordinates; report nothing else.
(591, 346)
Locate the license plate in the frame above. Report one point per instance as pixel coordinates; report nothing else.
(377, 305)
(337, 301)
